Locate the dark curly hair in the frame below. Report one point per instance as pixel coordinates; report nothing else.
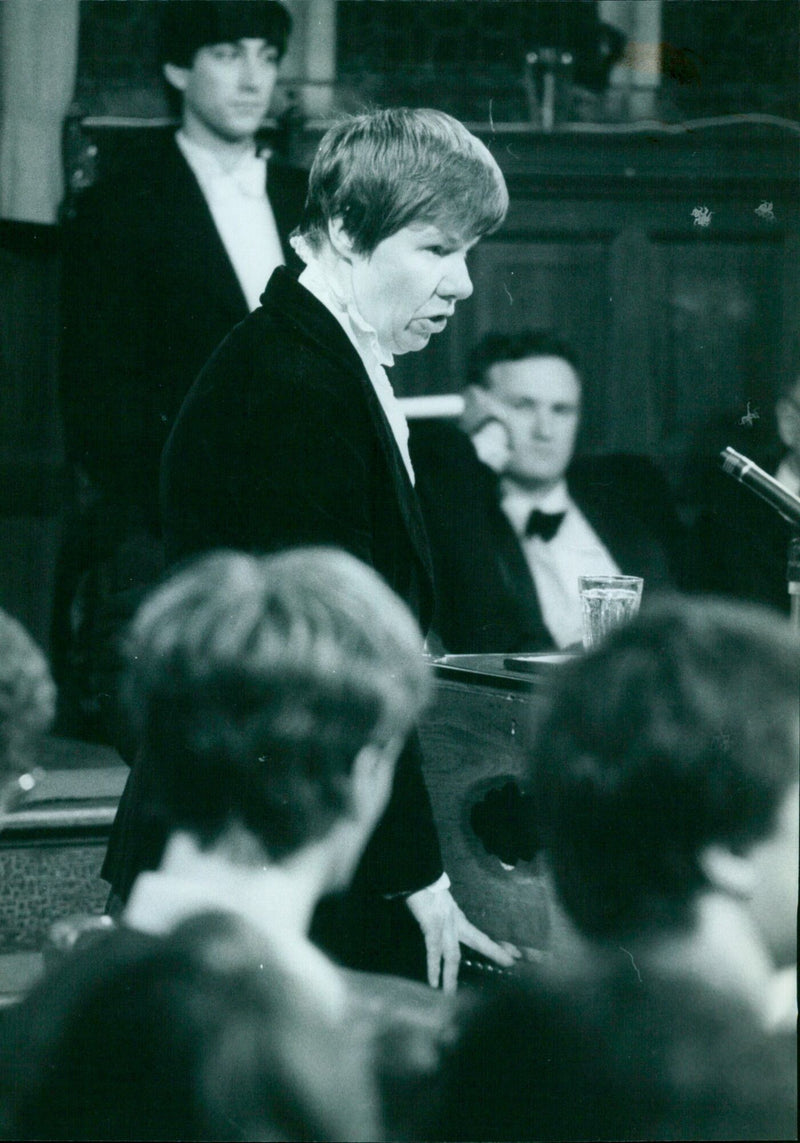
(679, 732)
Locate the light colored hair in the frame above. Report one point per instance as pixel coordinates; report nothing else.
(254, 681)
(381, 171)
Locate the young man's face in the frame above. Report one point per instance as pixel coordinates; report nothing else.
(227, 90)
(541, 397)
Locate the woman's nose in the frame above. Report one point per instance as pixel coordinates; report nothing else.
(456, 282)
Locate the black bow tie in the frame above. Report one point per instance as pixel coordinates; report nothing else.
(544, 524)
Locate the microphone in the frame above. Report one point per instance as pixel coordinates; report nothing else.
(744, 470)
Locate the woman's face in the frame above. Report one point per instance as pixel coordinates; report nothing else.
(408, 286)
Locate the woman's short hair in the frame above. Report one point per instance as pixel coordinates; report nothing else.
(679, 732)
(253, 682)
(384, 170)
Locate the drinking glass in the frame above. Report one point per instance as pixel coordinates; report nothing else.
(607, 602)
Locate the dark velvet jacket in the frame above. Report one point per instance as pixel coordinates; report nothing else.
(282, 442)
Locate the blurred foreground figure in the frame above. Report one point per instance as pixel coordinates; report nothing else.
(665, 776)
(666, 784)
(203, 1035)
(272, 696)
(626, 1059)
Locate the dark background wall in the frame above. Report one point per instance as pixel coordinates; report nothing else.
(678, 325)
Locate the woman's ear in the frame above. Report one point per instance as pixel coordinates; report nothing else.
(177, 77)
(339, 239)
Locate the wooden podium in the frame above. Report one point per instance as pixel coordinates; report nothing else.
(475, 740)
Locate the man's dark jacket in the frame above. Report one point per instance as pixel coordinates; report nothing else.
(148, 292)
(486, 599)
(282, 442)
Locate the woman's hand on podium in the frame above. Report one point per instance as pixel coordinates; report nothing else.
(445, 929)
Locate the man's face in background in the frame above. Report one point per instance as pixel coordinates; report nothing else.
(227, 90)
(541, 399)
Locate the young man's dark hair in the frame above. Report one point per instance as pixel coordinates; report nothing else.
(188, 25)
(678, 735)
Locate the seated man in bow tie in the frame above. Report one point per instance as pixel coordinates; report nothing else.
(514, 518)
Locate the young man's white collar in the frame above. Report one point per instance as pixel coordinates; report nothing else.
(720, 949)
(241, 211)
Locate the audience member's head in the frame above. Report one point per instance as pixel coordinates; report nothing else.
(274, 694)
(626, 1060)
(199, 1035)
(27, 696)
(220, 60)
(383, 171)
(527, 385)
(666, 767)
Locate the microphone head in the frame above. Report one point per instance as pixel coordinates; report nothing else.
(733, 463)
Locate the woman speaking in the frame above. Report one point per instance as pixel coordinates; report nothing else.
(292, 435)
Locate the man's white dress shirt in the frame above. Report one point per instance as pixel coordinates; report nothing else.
(555, 564)
(241, 212)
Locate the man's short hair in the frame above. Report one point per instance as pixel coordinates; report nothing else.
(189, 25)
(253, 682)
(679, 732)
(382, 171)
(494, 348)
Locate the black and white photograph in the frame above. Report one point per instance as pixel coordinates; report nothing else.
(399, 569)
